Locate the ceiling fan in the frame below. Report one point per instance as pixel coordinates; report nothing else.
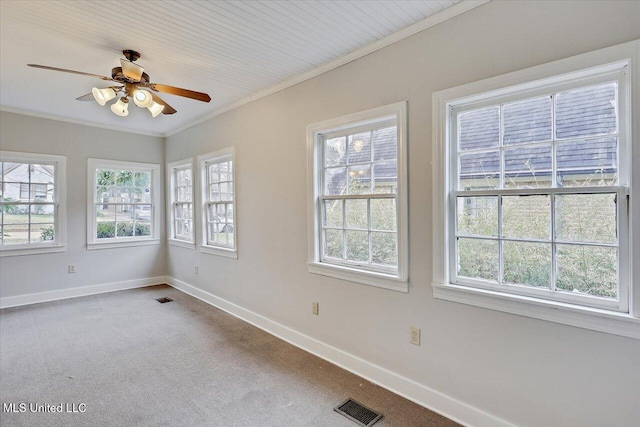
(133, 83)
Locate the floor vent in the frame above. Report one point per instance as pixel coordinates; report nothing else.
(163, 300)
(358, 413)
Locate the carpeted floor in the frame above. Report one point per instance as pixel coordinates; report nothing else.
(135, 362)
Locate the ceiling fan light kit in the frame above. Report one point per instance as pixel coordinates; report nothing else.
(135, 84)
(121, 108)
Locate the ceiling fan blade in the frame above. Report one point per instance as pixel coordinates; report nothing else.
(131, 70)
(199, 96)
(45, 67)
(87, 97)
(168, 109)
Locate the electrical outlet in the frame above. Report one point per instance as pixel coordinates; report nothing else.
(195, 269)
(72, 268)
(314, 308)
(414, 335)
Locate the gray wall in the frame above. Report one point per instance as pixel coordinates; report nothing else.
(529, 372)
(28, 274)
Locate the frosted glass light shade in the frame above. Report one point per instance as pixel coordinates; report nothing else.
(121, 108)
(155, 108)
(102, 96)
(142, 98)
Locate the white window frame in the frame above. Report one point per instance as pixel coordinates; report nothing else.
(219, 156)
(621, 319)
(59, 200)
(172, 168)
(156, 190)
(399, 279)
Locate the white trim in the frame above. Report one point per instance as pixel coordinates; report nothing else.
(182, 243)
(170, 198)
(580, 316)
(39, 297)
(428, 22)
(422, 395)
(215, 250)
(224, 154)
(80, 122)
(60, 200)
(397, 113)
(156, 206)
(579, 67)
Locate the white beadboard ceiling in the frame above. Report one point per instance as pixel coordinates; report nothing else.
(234, 50)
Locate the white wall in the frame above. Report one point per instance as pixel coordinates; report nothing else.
(528, 372)
(29, 274)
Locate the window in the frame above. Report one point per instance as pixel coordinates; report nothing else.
(218, 203)
(33, 203)
(535, 194)
(180, 176)
(357, 214)
(123, 203)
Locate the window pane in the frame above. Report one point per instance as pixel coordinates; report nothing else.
(143, 213)
(383, 214)
(528, 167)
(43, 174)
(586, 218)
(42, 232)
(479, 171)
(333, 243)
(16, 172)
(335, 151)
(214, 192)
(478, 258)
(42, 214)
(478, 216)
(357, 246)
(527, 121)
(360, 179)
(479, 129)
(527, 263)
(385, 177)
(359, 147)
(385, 144)
(335, 181)
(587, 163)
(125, 213)
(587, 111)
(356, 213)
(587, 270)
(333, 213)
(384, 251)
(142, 179)
(124, 178)
(105, 229)
(526, 217)
(142, 229)
(15, 233)
(213, 173)
(124, 229)
(229, 212)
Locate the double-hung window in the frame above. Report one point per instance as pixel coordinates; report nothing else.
(536, 191)
(180, 180)
(357, 211)
(123, 206)
(32, 198)
(219, 231)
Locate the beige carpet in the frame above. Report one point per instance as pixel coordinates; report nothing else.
(135, 362)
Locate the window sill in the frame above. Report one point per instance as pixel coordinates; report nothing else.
(32, 251)
(213, 250)
(379, 280)
(122, 244)
(182, 243)
(582, 317)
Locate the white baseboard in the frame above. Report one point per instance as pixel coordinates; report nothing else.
(422, 395)
(18, 300)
